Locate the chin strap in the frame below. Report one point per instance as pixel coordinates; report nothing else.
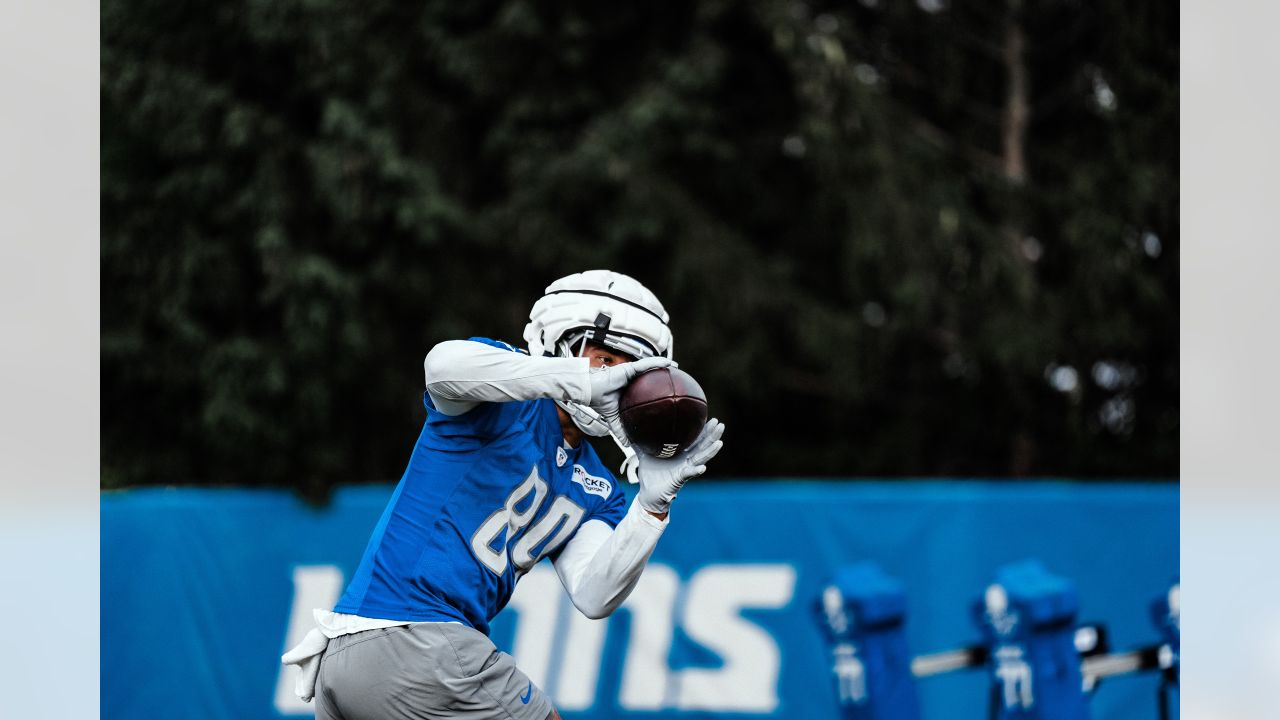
(588, 420)
(593, 424)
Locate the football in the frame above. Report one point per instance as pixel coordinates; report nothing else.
(663, 411)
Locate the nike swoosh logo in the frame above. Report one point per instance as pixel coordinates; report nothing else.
(528, 693)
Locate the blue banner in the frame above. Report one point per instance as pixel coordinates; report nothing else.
(203, 589)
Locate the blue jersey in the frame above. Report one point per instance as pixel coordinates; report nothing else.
(487, 494)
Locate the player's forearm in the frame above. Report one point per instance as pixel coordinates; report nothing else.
(600, 568)
(462, 373)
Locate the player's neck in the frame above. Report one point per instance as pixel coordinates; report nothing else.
(572, 435)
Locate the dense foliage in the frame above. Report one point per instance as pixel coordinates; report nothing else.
(895, 238)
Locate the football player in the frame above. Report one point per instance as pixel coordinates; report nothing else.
(500, 478)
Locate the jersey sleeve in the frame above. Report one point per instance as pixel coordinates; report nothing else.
(471, 429)
(461, 374)
(500, 344)
(614, 507)
(601, 565)
(481, 424)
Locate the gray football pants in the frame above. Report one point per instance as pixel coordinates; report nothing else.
(421, 671)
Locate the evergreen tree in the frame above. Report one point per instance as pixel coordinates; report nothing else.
(895, 238)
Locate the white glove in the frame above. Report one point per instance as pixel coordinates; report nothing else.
(306, 655)
(608, 382)
(660, 480)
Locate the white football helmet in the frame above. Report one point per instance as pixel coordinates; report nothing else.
(605, 307)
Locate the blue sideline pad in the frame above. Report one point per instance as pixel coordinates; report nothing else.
(198, 587)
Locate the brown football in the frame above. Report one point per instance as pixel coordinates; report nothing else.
(663, 411)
